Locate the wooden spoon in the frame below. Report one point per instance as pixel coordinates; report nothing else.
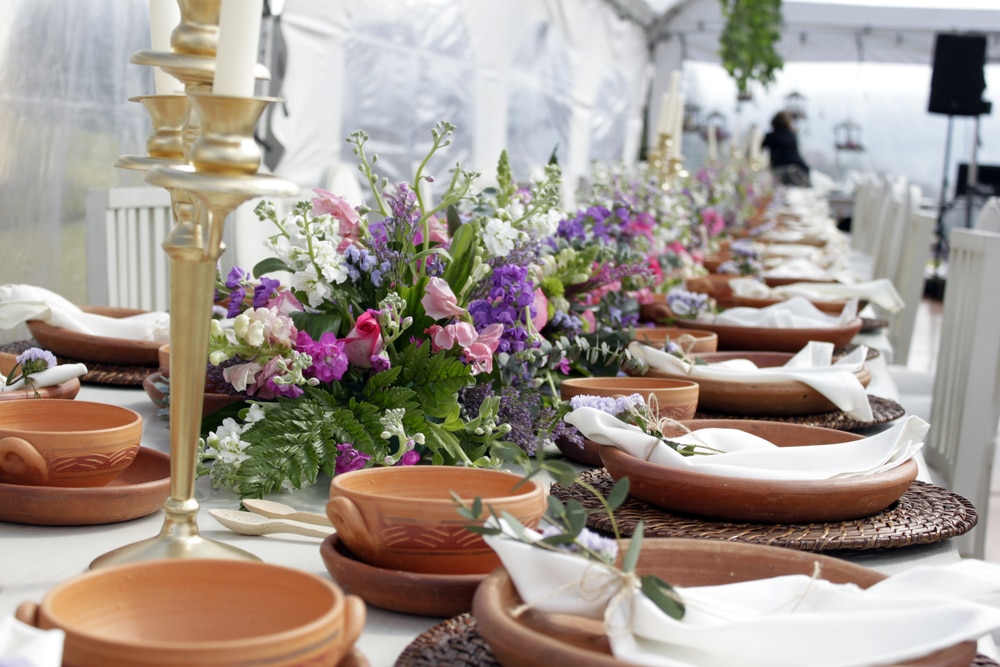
(273, 510)
(246, 523)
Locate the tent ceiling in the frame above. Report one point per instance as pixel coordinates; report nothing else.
(826, 31)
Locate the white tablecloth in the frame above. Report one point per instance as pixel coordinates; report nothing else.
(35, 558)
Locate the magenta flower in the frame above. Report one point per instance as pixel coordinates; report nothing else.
(329, 361)
(410, 458)
(713, 221)
(349, 459)
(439, 301)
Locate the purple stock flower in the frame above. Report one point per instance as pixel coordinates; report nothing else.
(235, 305)
(349, 459)
(237, 277)
(410, 458)
(263, 292)
(510, 303)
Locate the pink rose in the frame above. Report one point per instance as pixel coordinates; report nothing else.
(439, 301)
(541, 304)
(589, 321)
(364, 341)
(328, 203)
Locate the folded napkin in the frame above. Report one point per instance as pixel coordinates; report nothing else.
(20, 303)
(22, 645)
(812, 365)
(881, 292)
(795, 313)
(47, 378)
(800, 268)
(744, 455)
(784, 621)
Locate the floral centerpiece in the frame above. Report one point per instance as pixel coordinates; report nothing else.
(406, 331)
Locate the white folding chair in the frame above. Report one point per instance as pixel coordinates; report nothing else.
(126, 264)
(965, 408)
(902, 200)
(908, 278)
(989, 215)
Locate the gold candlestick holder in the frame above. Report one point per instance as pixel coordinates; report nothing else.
(221, 175)
(165, 145)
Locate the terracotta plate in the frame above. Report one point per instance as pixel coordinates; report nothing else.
(407, 592)
(699, 341)
(540, 640)
(759, 399)
(589, 454)
(727, 498)
(139, 491)
(85, 347)
(732, 337)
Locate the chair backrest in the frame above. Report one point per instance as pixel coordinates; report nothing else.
(989, 216)
(127, 266)
(911, 269)
(866, 199)
(965, 409)
(903, 200)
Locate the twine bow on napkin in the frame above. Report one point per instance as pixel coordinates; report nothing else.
(812, 365)
(20, 303)
(744, 455)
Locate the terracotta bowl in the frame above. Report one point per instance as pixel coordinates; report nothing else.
(762, 399)
(199, 612)
(656, 310)
(589, 454)
(404, 517)
(715, 285)
(61, 442)
(733, 337)
(761, 500)
(212, 402)
(692, 340)
(534, 639)
(833, 306)
(86, 347)
(417, 593)
(674, 398)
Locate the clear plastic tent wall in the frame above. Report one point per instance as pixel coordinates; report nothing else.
(532, 76)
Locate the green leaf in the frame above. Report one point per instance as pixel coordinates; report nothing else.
(618, 493)
(663, 596)
(464, 242)
(317, 324)
(632, 555)
(269, 265)
(454, 220)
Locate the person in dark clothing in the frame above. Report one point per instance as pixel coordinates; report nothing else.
(786, 163)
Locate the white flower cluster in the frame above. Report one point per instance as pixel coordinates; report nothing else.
(228, 450)
(311, 251)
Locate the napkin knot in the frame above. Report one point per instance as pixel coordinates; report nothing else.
(613, 584)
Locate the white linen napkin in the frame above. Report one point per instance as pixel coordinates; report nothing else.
(20, 303)
(47, 378)
(799, 268)
(812, 365)
(881, 292)
(22, 645)
(796, 313)
(773, 622)
(748, 456)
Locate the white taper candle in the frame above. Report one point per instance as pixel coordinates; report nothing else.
(236, 55)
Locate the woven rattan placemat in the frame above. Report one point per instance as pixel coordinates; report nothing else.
(925, 514)
(453, 642)
(457, 643)
(97, 373)
(872, 324)
(884, 410)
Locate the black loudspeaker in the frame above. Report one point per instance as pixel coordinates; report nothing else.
(958, 82)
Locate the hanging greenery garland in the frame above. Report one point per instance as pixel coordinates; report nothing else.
(747, 42)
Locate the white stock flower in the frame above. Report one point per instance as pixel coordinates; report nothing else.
(499, 237)
(316, 290)
(332, 263)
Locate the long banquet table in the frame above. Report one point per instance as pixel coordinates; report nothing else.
(35, 558)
